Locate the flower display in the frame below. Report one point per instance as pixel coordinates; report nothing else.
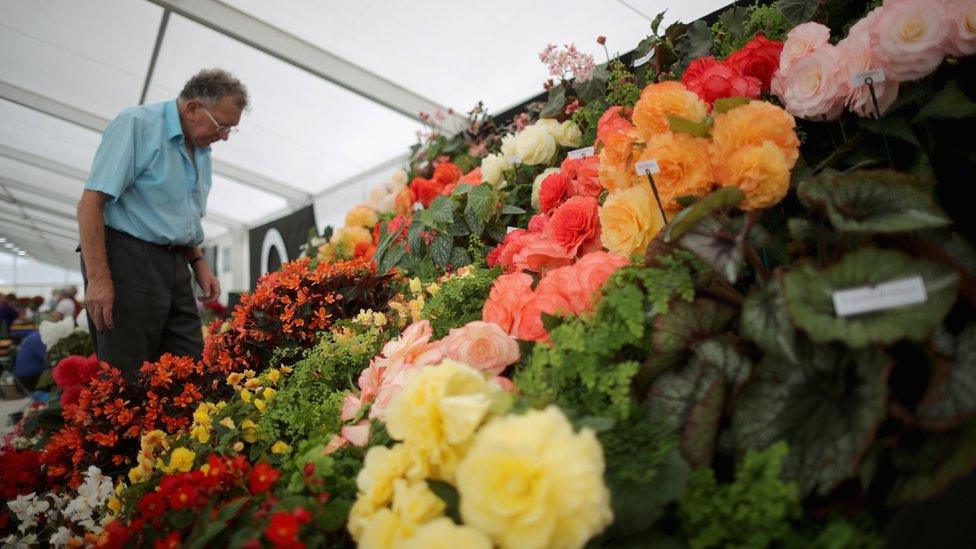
(713, 80)
(72, 374)
(629, 219)
(685, 166)
(530, 481)
(661, 100)
(482, 345)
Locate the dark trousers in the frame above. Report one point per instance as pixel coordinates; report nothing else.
(154, 310)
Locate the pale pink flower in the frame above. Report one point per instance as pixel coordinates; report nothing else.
(357, 434)
(910, 37)
(350, 407)
(482, 345)
(856, 57)
(568, 63)
(814, 87)
(335, 444)
(506, 384)
(962, 38)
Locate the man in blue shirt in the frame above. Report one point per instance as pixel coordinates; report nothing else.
(139, 222)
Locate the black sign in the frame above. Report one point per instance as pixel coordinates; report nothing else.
(279, 241)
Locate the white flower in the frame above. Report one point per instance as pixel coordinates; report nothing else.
(493, 167)
(569, 134)
(61, 537)
(534, 146)
(82, 321)
(508, 147)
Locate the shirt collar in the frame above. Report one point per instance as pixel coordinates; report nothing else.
(171, 117)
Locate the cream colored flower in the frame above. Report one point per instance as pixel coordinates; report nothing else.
(529, 481)
(442, 533)
(534, 146)
(493, 168)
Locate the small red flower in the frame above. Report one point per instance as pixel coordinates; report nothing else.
(185, 496)
(171, 541)
(262, 477)
(302, 515)
(283, 528)
(152, 505)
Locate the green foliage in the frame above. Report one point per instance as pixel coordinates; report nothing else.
(311, 399)
(76, 343)
(621, 87)
(592, 359)
(755, 510)
(587, 118)
(733, 33)
(459, 301)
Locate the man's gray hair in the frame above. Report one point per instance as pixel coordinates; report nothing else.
(210, 85)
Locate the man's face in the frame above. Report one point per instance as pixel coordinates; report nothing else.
(202, 128)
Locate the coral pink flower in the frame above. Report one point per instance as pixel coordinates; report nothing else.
(575, 223)
(612, 121)
(482, 345)
(540, 253)
(530, 327)
(504, 300)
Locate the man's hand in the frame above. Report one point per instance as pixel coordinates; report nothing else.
(209, 283)
(99, 297)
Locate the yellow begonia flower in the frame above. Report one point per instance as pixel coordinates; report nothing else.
(285, 369)
(280, 448)
(415, 285)
(153, 438)
(249, 374)
(246, 396)
(205, 468)
(364, 317)
(227, 422)
(379, 319)
(273, 375)
(269, 393)
(221, 405)
(114, 505)
(140, 473)
(201, 433)
(259, 404)
(181, 460)
(433, 288)
(235, 378)
(238, 446)
(249, 431)
(252, 383)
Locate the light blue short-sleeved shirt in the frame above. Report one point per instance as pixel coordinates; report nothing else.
(157, 194)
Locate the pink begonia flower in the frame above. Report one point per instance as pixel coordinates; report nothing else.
(482, 345)
(541, 253)
(506, 384)
(962, 38)
(814, 87)
(336, 443)
(350, 407)
(800, 42)
(505, 300)
(856, 57)
(910, 37)
(357, 434)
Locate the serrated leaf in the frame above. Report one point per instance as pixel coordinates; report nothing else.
(720, 200)
(892, 124)
(798, 11)
(710, 239)
(556, 102)
(440, 249)
(463, 188)
(391, 258)
(690, 127)
(766, 321)
(949, 102)
(734, 19)
(827, 407)
(414, 238)
(726, 104)
(695, 42)
(478, 210)
(459, 228)
(440, 214)
(951, 395)
(928, 468)
(809, 295)
(595, 87)
(459, 257)
(509, 209)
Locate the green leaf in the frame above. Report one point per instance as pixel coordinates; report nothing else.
(595, 87)
(827, 407)
(683, 125)
(949, 102)
(734, 19)
(391, 258)
(597, 423)
(556, 103)
(695, 42)
(798, 11)
(478, 210)
(674, 395)
(720, 200)
(449, 495)
(726, 104)
(713, 241)
(440, 214)
(928, 468)
(463, 188)
(687, 323)
(459, 228)
(809, 295)
(894, 125)
(721, 353)
(509, 209)
(951, 395)
(656, 23)
(440, 249)
(231, 508)
(459, 257)
(766, 321)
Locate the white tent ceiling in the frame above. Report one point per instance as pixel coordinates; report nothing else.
(336, 88)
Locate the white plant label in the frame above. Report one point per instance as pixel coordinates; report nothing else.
(580, 153)
(510, 229)
(897, 293)
(647, 167)
(876, 76)
(417, 206)
(643, 59)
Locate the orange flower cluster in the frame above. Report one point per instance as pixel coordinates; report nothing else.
(291, 307)
(103, 430)
(173, 388)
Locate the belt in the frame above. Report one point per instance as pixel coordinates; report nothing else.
(169, 248)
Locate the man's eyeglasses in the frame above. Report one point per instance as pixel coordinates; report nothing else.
(229, 130)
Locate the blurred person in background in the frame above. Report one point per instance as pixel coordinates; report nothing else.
(8, 313)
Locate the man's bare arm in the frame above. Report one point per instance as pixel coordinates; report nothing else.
(100, 294)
